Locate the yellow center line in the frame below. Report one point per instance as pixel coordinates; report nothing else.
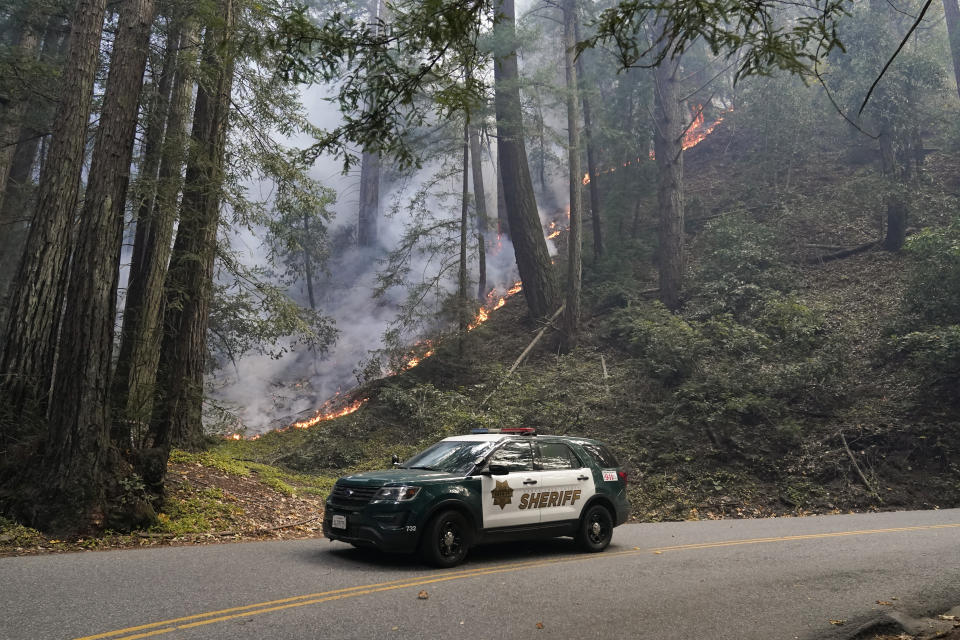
(210, 617)
(809, 536)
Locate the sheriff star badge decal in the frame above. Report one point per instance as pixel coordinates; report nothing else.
(502, 494)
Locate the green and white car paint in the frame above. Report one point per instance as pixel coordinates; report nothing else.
(483, 487)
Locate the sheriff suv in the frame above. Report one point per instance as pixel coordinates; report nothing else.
(491, 485)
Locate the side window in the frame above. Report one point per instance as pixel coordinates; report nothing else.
(517, 456)
(557, 456)
(600, 454)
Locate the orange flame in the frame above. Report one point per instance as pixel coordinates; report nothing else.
(694, 135)
(697, 132)
(324, 415)
(330, 415)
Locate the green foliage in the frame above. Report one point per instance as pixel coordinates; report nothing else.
(297, 231)
(935, 355)
(777, 152)
(14, 534)
(291, 483)
(910, 89)
(248, 313)
(763, 36)
(793, 326)
(740, 266)
(205, 512)
(930, 329)
(725, 378)
(382, 73)
(211, 459)
(933, 291)
(667, 346)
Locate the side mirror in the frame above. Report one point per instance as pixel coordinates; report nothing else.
(395, 459)
(498, 469)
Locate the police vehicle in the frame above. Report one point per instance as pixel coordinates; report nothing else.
(490, 485)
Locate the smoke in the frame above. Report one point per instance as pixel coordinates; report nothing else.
(266, 392)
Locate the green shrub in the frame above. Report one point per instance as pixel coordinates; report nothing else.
(202, 513)
(667, 346)
(790, 323)
(933, 275)
(738, 269)
(935, 356)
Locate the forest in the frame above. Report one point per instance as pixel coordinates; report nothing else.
(294, 239)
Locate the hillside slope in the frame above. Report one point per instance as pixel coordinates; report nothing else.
(775, 391)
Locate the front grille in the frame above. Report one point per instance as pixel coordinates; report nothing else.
(351, 497)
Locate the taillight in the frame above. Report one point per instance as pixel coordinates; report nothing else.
(623, 476)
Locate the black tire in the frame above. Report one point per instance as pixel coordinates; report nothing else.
(446, 539)
(595, 529)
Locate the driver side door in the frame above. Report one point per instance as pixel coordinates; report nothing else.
(501, 495)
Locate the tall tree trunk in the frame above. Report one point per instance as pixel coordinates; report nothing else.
(952, 12)
(526, 232)
(78, 442)
(482, 267)
(367, 233)
(12, 116)
(540, 126)
(896, 223)
(14, 223)
(462, 318)
(140, 338)
(156, 121)
(668, 134)
(18, 196)
(28, 350)
(479, 193)
(177, 413)
(594, 186)
(571, 314)
(480, 198)
(503, 221)
(369, 199)
(307, 262)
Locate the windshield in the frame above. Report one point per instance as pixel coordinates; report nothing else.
(451, 456)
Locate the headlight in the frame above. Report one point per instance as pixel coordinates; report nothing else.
(396, 494)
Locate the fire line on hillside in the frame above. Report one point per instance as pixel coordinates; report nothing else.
(328, 412)
(695, 134)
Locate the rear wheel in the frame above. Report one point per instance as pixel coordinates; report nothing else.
(595, 529)
(446, 539)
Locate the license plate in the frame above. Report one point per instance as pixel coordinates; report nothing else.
(339, 522)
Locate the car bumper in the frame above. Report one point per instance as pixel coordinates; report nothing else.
(386, 530)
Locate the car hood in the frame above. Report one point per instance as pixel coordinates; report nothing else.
(396, 476)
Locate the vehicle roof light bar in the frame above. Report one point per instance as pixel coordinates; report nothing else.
(517, 431)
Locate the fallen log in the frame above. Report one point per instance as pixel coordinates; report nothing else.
(846, 253)
(526, 352)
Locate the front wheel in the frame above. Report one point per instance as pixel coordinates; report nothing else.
(446, 539)
(595, 529)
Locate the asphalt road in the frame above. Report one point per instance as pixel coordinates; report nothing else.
(738, 579)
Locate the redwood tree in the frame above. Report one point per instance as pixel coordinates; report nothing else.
(571, 313)
(540, 286)
(76, 456)
(176, 418)
(370, 170)
(28, 348)
(140, 339)
(668, 146)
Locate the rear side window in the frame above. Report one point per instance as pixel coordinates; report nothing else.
(518, 456)
(556, 455)
(601, 454)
